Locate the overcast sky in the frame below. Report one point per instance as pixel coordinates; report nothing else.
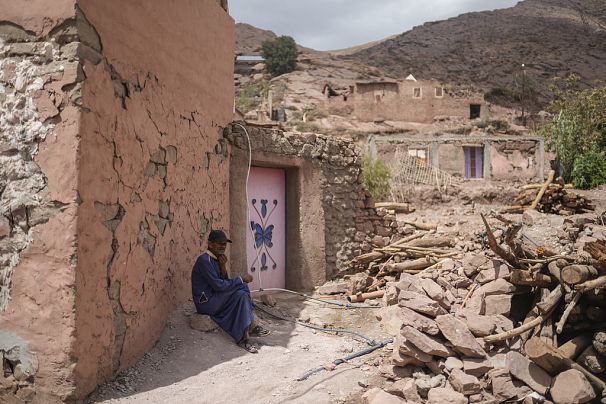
(336, 24)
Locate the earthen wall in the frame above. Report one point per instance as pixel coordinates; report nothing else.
(113, 171)
(379, 101)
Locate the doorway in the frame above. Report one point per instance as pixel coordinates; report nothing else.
(266, 235)
(474, 161)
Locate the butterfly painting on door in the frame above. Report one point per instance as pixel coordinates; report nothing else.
(263, 233)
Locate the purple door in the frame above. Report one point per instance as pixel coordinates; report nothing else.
(474, 161)
(266, 235)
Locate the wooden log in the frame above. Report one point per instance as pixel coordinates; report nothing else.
(555, 268)
(538, 186)
(512, 209)
(543, 189)
(591, 360)
(575, 274)
(597, 250)
(574, 347)
(553, 361)
(360, 297)
(418, 264)
(395, 206)
(592, 284)
(569, 307)
(367, 258)
(546, 305)
(522, 277)
(496, 248)
(421, 225)
(442, 241)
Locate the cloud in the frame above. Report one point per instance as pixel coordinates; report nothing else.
(335, 24)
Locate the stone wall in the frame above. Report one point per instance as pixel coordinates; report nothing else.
(112, 171)
(335, 213)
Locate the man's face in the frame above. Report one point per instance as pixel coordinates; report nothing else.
(217, 247)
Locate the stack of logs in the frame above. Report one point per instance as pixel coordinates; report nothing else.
(418, 253)
(551, 197)
(569, 313)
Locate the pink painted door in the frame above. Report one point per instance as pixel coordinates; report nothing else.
(266, 235)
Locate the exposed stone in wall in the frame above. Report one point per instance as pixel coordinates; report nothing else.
(349, 212)
(37, 81)
(19, 366)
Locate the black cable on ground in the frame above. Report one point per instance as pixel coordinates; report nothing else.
(339, 361)
(369, 341)
(306, 296)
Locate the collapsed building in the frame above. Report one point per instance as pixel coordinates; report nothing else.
(491, 156)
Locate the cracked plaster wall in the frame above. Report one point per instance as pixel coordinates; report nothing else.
(113, 171)
(156, 172)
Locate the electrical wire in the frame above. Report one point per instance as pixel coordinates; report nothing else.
(339, 361)
(252, 232)
(306, 296)
(369, 341)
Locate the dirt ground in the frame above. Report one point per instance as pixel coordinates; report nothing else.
(189, 366)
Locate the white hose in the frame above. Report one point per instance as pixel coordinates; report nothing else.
(247, 210)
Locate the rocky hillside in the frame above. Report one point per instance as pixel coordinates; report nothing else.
(551, 37)
(249, 39)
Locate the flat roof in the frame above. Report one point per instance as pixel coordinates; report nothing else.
(250, 58)
(365, 82)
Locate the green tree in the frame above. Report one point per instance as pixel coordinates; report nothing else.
(578, 131)
(280, 55)
(376, 178)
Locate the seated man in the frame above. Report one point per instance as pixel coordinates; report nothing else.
(226, 300)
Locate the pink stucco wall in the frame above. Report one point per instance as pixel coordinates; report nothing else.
(135, 175)
(155, 166)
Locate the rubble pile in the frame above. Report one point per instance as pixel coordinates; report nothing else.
(520, 321)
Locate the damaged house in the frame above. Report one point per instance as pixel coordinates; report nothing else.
(408, 100)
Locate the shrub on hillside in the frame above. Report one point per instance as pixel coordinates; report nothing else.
(589, 170)
(280, 55)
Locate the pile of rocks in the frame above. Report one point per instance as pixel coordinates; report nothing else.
(458, 339)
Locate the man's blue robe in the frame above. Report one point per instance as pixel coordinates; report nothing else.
(228, 300)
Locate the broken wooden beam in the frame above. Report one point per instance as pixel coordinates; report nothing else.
(360, 297)
(522, 277)
(543, 189)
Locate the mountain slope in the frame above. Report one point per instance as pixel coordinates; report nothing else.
(250, 38)
(485, 49)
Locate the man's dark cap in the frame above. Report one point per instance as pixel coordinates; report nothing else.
(218, 236)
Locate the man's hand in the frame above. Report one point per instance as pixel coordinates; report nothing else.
(247, 278)
(222, 265)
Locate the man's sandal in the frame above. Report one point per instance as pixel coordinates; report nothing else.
(259, 331)
(245, 344)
